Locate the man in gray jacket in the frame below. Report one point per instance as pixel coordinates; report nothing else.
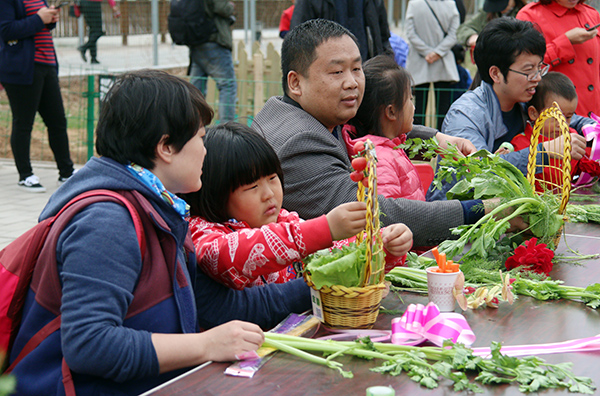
(323, 84)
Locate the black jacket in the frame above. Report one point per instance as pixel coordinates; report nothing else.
(378, 30)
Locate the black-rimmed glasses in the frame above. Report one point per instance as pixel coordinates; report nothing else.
(541, 71)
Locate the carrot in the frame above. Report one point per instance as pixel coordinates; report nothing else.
(436, 254)
(442, 261)
(455, 267)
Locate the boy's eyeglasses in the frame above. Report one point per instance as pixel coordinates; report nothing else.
(542, 71)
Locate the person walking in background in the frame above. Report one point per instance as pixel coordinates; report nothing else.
(286, 19)
(214, 58)
(431, 32)
(465, 80)
(92, 13)
(366, 19)
(467, 32)
(572, 45)
(29, 73)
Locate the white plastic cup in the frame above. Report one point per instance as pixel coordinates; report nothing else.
(439, 289)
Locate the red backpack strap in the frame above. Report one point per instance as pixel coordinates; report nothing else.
(137, 222)
(52, 326)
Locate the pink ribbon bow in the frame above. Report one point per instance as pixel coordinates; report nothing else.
(591, 132)
(425, 323)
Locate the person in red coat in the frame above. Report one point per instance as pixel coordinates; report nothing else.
(286, 20)
(572, 45)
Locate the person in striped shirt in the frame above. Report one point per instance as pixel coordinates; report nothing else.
(29, 73)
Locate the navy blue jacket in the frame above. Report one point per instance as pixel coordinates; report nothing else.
(17, 48)
(112, 300)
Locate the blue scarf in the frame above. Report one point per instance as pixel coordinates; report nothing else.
(150, 179)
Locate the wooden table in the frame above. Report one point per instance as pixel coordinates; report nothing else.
(527, 321)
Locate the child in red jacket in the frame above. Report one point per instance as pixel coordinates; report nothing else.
(243, 237)
(554, 87)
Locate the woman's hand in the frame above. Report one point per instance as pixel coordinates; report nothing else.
(580, 35)
(347, 220)
(397, 239)
(432, 57)
(227, 342)
(48, 15)
(230, 341)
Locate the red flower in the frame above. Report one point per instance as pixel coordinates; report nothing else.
(589, 166)
(531, 257)
(469, 290)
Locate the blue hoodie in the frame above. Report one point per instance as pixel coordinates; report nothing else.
(106, 345)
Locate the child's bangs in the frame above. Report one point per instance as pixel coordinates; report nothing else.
(254, 162)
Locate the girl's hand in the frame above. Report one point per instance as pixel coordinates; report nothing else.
(231, 340)
(397, 239)
(48, 15)
(579, 35)
(347, 220)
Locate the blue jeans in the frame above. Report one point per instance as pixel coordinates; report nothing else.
(211, 59)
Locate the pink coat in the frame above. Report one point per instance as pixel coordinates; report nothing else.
(397, 177)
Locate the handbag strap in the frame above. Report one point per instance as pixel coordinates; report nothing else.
(436, 18)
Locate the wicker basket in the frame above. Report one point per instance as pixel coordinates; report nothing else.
(562, 185)
(349, 307)
(358, 307)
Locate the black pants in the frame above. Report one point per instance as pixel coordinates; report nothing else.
(42, 96)
(92, 13)
(442, 99)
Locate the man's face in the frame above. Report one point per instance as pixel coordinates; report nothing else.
(516, 87)
(333, 88)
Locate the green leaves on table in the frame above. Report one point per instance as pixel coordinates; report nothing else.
(428, 365)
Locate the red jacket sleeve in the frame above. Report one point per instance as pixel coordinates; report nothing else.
(238, 256)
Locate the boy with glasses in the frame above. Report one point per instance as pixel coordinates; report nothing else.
(509, 55)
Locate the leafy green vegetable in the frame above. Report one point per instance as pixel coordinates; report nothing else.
(483, 175)
(426, 365)
(343, 266)
(588, 213)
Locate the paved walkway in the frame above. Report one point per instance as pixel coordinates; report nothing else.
(19, 209)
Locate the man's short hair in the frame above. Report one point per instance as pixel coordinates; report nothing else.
(553, 83)
(143, 106)
(299, 47)
(502, 40)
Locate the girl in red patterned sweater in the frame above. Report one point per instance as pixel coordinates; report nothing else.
(242, 235)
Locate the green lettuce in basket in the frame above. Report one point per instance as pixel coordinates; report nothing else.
(345, 266)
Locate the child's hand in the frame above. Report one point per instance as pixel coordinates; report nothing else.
(555, 148)
(397, 239)
(347, 220)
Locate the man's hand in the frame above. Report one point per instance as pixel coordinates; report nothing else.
(464, 145)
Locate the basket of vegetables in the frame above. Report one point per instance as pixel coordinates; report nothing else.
(350, 279)
(552, 175)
